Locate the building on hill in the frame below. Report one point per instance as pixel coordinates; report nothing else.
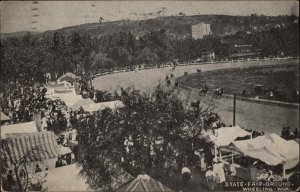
(208, 56)
(200, 30)
(239, 49)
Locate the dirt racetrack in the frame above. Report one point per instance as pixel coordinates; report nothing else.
(249, 115)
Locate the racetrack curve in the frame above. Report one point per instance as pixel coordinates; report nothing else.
(254, 116)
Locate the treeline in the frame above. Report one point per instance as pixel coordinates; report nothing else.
(31, 59)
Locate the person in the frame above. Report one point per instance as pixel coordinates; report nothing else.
(10, 180)
(68, 159)
(270, 176)
(283, 132)
(288, 133)
(218, 168)
(263, 176)
(186, 175)
(58, 163)
(202, 163)
(232, 170)
(37, 168)
(210, 178)
(296, 133)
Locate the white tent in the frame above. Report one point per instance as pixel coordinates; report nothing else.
(226, 135)
(28, 127)
(69, 98)
(100, 106)
(271, 149)
(82, 103)
(4, 117)
(65, 178)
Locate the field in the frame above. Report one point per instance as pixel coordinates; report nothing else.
(285, 78)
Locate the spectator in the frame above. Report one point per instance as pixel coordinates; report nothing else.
(37, 169)
(283, 133)
(58, 163)
(270, 176)
(296, 133)
(288, 133)
(210, 179)
(186, 176)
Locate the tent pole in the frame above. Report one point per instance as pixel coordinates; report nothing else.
(215, 151)
(234, 107)
(283, 174)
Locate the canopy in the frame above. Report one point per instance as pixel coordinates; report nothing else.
(42, 146)
(18, 128)
(4, 117)
(100, 106)
(271, 149)
(82, 103)
(68, 77)
(226, 135)
(65, 178)
(144, 183)
(69, 98)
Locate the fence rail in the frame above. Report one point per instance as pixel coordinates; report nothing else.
(127, 69)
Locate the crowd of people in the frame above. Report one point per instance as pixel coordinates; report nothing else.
(287, 134)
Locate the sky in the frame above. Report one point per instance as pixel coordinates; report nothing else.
(50, 15)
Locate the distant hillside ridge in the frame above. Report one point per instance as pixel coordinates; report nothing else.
(176, 26)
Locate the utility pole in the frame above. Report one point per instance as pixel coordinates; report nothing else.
(234, 107)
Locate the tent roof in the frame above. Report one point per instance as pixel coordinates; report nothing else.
(4, 117)
(42, 144)
(144, 183)
(100, 106)
(55, 85)
(226, 135)
(18, 128)
(271, 149)
(66, 178)
(81, 103)
(69, 75)
(69, 98)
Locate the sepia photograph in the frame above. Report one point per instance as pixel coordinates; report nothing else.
(149, 96)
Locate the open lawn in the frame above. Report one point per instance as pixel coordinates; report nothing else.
(285, 78)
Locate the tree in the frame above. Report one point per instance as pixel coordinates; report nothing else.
(143, 136)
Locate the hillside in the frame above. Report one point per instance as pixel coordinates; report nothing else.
(176, 26)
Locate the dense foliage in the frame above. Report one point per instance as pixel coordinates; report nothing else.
(144, 136)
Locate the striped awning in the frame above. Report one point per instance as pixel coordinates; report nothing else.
(40, 145)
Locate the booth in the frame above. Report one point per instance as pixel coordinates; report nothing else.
(19, 128)
(268, 151)
(82, 103)
(40, 147)
(113, 105)
(144, 183)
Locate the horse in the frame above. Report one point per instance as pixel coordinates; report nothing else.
(168, 82)
(203, 91)
(195, 104)
(217, 93)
